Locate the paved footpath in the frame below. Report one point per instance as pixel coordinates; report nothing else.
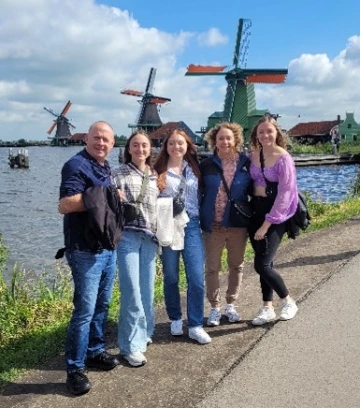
(286, 364)
(312, 361)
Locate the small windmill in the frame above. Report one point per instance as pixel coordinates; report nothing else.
(62, 125)
(240, 104)
(148, 117)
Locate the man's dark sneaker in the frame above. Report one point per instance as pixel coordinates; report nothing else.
(103, 361)
(78, 383)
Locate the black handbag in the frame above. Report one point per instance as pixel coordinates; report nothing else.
(130, 211)
(241, 212)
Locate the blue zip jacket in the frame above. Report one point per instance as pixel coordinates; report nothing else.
(240, 188)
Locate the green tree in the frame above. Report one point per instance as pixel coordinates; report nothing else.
(21, 142)
(120, 140)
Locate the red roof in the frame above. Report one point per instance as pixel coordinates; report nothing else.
(77, 137)
(313, 128)
(164, 130)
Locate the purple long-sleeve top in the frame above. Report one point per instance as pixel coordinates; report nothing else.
(284, 173)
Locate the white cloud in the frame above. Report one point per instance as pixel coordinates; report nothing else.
(60, 50)
(212, 38)
(317, 88)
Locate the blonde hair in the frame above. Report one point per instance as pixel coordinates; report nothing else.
(236, 129)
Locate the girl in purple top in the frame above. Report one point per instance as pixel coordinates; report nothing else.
(271, 214)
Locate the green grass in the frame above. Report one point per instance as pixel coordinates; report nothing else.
(324, 148)
(34, 314)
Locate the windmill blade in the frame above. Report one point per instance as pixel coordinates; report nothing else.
(150, 82)
(265, 76)
(266, 79)
(205, 70)
(70, 124)
(161, 97)
(242, 42)
(131, 92)
(238, 42)
(51, 111)
(51, 128)
(159, 100)
(66, 109)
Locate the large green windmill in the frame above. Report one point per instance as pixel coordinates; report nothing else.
(239, 104)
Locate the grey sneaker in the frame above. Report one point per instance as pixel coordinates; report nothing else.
(231, 313)
(214, 317)
(266, 315)
(135, 359)
(288, 310)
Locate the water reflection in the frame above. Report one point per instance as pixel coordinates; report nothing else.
(32, 227)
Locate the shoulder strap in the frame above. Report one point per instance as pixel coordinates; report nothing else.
(183, 181)
(144, 184)
(224, 182)
(262, 164)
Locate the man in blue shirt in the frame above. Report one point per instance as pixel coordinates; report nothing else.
(93, 267)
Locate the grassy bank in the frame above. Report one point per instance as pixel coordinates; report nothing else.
(34, 315)
(324, 148)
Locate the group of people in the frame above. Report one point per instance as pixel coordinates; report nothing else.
(173, 206)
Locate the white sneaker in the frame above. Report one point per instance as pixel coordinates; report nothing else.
(176, 327)
(199, 334)
(231, 313)
(266, 315)
(288, 310)
(135, 359)
(214, 317)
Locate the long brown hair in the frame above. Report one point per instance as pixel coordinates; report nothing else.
(127, 155)
(162, 158)
(280, 136)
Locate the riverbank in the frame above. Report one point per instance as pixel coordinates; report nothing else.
(180, 373)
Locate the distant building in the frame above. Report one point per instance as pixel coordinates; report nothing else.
(159, 134)
(315, 132)
(349, 129)
(77, 138)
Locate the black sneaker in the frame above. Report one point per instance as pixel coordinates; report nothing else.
(103, 361)
(78, 383)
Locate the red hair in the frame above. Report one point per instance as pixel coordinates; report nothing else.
(162, 158)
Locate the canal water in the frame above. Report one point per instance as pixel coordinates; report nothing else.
(32, 228)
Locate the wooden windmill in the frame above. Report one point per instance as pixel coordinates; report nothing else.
(148, 117)
(240, 104)
(62, 125)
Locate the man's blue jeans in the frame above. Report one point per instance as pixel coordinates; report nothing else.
(136, 259)
(93, 275)
(193, 256)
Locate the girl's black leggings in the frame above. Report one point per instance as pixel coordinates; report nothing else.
(265, 250)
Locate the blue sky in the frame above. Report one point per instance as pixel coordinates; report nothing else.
(87, 51)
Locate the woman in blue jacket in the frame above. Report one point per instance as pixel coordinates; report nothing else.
(225, 139)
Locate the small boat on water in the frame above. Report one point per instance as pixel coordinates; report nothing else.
(19, 160)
